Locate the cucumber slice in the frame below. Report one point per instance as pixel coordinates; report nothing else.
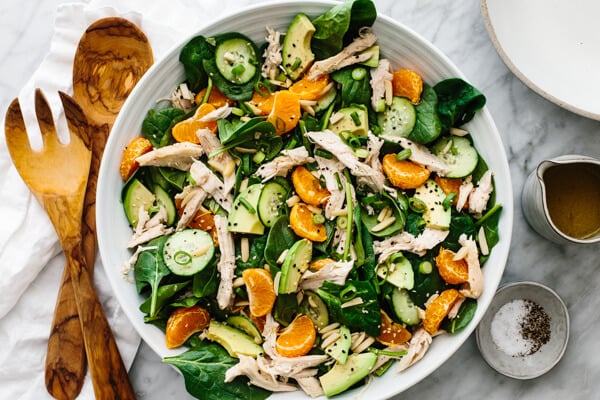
(188, 251)
(326, 100)
(404, 308)
(459, 155)
(399, 119)
(164, 200)
(136, 196)
(314, 307)
(236, 60)
(270, 203)
(398, 272)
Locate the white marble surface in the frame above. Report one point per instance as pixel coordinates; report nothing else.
(532, 129)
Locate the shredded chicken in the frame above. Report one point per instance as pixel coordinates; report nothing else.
(180, 156)
(281, 165)
(335, 272)
(376, 181)
(272, 55)
(249, 367)
(207, 180)
(420, 154)
(464, 191)
(417, 347)
(404, 241)
(183, 98)
(219, 113)
(149, 228)
(333, 143)
(328, 168)
(379, 76)
(191, 198)
(129, 264)
(479, 197)
(348, 56)
(222, 162)
(226, 264)
(474, 285)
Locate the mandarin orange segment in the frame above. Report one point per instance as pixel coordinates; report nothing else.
(392, 333)
(298, 338)
(301, 222)
(450, 185)
(308, 187)
(407, 83)
(320, 263)
(285, 113)
(203, 219)
(216, 98)
(404, 174)
(308, 89)
(452, 271)
(134, 149)
(264, 104)
(183, 323)
(438, 309)
(261, 290)
(185, 131)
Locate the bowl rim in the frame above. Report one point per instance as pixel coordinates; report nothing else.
(533, 285)
(501, 250)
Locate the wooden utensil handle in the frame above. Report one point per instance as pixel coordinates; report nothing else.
(65, 359)
(109, 375)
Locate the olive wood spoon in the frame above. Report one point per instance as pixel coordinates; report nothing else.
(111, 57)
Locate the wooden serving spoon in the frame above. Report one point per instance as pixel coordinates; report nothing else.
(111, 57)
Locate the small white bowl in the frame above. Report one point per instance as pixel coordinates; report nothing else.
(549, 354)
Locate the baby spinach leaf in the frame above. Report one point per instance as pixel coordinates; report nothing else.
(162, 297)
(157, 124)
(203, 368)
(361, 317)
(280, 238)
(370, 221)
(354, 91)
(489, 222)
(239, 92)
(206, 282)
(459, 224)
(339, 25)
(458, 102)
(465, 315)
(191, 57)
(427, 126)
(256, 256)
(149, 270)
(285, 308)
(233, 134)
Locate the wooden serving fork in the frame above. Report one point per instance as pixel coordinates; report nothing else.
(57, 176)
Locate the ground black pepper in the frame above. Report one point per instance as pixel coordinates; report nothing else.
(535, 326)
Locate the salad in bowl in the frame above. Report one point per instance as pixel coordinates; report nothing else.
(304, 210)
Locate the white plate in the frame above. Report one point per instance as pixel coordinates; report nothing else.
(399, 44)
(553, 46)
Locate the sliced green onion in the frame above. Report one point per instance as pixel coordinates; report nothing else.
(247, 205)
(388, 353)
(237, 111)
(208, 91)
(350, 207)
(338, 180)
(341, 222)
(323, 153)
(359, 74)
(348, 293)
(403, 155)
(182, 257)
(394, 258)
(371, 199)
(258, 157)
(238, 69)
(296, 64)
(380, 105)
(417, 205)
(318, 219)
(361, 153)
(425, 267)
(448, 200)
(355, 118)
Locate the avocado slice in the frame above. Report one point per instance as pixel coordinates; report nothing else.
(343, 376)
(233, 340)
(296, 53)
(243, 217)
(373, 61)
(294, 265)
(435, 215)
(246, 325)
(354, 119)
(137, 195)
(340, 348)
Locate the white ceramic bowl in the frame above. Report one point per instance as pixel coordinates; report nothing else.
(399, 44)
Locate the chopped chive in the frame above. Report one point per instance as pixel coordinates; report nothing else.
(403, 155)
(338, 180)
(247, 205)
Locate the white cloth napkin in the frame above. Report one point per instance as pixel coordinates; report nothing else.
(31, 260)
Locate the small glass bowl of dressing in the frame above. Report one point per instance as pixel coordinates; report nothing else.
(525, 331)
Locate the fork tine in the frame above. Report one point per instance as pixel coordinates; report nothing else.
(76, 119)
(17, 140)
(45, 118)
